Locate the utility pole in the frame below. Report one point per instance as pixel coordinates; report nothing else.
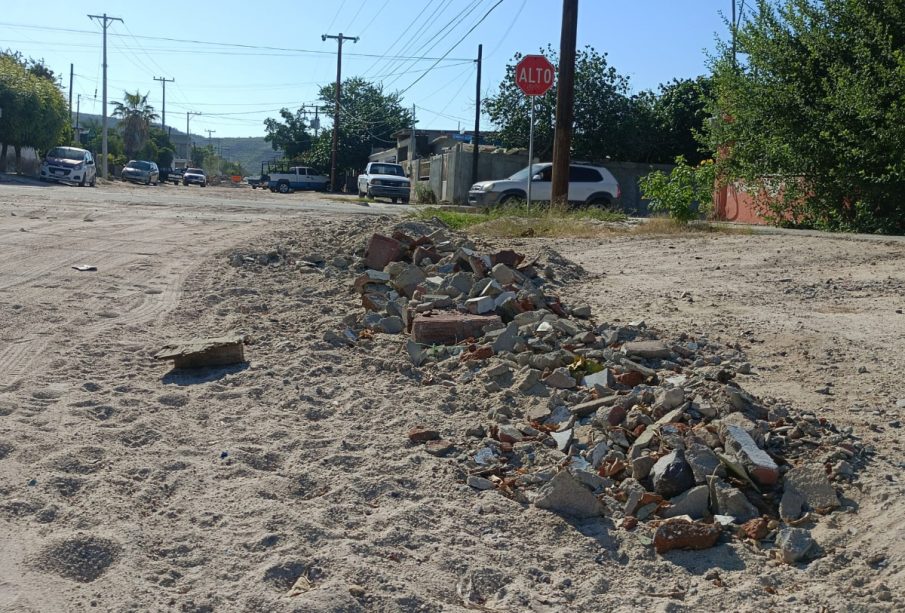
(163, 112)
(188, 135)
(105, 21)
(78, 110)
(476, 139)
(733, 35)
(413, 149)
(71, 74)
(339, 73)
(565, 103)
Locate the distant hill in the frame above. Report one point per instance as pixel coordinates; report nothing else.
(249, 151)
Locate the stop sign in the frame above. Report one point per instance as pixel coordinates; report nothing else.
(534, 75)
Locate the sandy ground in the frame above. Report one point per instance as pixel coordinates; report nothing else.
(126, 487)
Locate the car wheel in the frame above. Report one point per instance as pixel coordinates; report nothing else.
(204, 185)
(405, 201)
(185, 183)
(394, 200)
(284, 188)
(599, 202)
(82, 182)
(148, 182)
(509, 199)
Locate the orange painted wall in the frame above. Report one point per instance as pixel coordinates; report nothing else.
(732, 205)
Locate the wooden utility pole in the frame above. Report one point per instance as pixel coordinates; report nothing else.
(565, 104)
(188, 135)
(413, 150)
(476, 139)
(339, 75)
(163, 112)
(105, 21)
(71, 74)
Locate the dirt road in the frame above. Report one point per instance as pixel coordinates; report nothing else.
(128, 488)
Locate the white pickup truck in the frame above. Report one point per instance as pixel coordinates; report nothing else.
(285, 180)
(381, 179)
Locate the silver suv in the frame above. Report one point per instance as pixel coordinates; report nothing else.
(588, 186)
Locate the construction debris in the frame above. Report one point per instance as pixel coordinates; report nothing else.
(204, 352)
(599, 419)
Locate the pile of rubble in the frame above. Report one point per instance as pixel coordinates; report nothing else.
(597, 419)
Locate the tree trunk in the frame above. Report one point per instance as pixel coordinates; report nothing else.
(3, 157)
(18, 159)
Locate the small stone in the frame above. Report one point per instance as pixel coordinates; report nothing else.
(757, 528)
(415, 351)
(420, 434)
(582, 311)
(497, 370)
(507, 340)
(630, 379)
(843, 469)
(391, 325)
(598, 454)
(672, 475)
(560, 379)
(678, 534)
(604, 378)
(567, 496)
(438, 448)
(503, 274)
(695, 503)
(563, 439)
(479, 306)
(527, 379)
(509, 434)
(671, 398)
(479, 483)
(704, 463)
(796, 545)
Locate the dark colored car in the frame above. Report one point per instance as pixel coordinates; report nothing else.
(141, 171)
(194, 175)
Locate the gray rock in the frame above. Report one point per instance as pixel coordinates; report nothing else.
(507, 340)
(759, 465)
(497, 370)
(479, 483)
(565, 495)
(642, 466)
(728, 500)
(391, 325)
(791, 505)
(567, 327)
(591, 479)
(528, 380)
(695, 503)
(560, 379)
(672, 475)
(598, 453)
(704, 463)
(796, 545)
(671, 398)
(604, 378)
(503, 274)
(582, 311)
(563, 439)
(415, 351)
(811, 485)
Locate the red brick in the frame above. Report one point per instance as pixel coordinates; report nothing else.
(685, 535)
(420, 434)
(450, 328)
(381, 251)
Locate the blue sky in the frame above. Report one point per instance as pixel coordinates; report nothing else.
(282, 59)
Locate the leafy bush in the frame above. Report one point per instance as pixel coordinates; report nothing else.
(686, 193)
(424, 194)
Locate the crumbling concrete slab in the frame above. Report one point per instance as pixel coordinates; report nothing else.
(203, 352)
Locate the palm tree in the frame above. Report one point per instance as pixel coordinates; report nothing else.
(136, 116)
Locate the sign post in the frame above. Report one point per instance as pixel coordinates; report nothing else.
(534, 75)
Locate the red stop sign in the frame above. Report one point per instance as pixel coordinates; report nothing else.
(534, 75)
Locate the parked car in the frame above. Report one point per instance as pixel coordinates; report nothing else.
(384, 180)
(194, 176)
(174, 176)
(588, 186)
(141, 171)
(285, 180)
(69, 165)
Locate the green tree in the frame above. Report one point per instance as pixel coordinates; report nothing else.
(291, 136)
(135, 116)
(811, 118)
(34, 110)
(370, 118)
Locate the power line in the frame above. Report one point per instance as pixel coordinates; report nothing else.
(472, 29)
(220, 44)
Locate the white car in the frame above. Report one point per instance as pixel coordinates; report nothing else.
(588, 186)
(69, 165)
(381, 179)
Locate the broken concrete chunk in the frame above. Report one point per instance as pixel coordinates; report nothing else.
(563, 439)
(507, 339)
(604, 378)
(759, 465)
(391, 325)
(704, 463)
(727, 500)
(811, 484)
(565, 495)
(203, 352)
(503, 274)
(671, 398)
(481, 305)
(695, 503)
(647, 350)
(796, 545)
(560, 379)
(642, 466)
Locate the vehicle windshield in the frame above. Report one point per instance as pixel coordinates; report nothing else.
(522, 175)
(139, 165)
(195, 171)
(66, 153)
(387, 169)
